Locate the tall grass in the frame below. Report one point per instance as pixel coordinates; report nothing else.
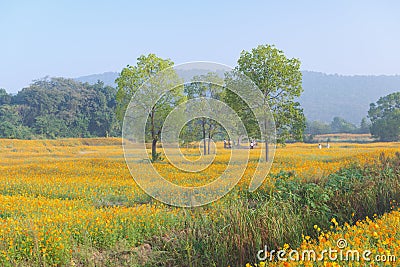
(246, 222)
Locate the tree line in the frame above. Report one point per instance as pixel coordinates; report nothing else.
(337, 125)
(63, 108)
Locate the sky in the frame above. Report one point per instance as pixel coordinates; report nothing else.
(77, 38)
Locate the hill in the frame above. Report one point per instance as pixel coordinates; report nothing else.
(108, 78)
(329, 95)
(325, 95)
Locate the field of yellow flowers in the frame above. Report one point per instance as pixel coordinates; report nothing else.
(73, 202)
(369, 242)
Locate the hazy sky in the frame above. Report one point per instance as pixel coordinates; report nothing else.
(75, 38)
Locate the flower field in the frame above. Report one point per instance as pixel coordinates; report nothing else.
(73, 202)
(378, 238)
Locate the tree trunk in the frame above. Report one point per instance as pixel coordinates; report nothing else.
(154, 150)
(266, 141)
(204, 136)
(208, 145)
(154, 137)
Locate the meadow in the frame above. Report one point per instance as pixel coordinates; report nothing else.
(73, 202)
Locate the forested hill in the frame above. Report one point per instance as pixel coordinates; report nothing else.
(57, 108)
(325, 95)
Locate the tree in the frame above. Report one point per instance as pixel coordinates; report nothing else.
(317, 127)
(364, 126)
(100, 109)
(190, 132)
(11, 123)
(132, 78)
(207, 85)
(340, 125)
(49, 126)
(280, 80)
(385, 117)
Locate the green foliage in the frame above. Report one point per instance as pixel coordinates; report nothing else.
(279, 78)
(5, 98)
(317, 127)
(132, 77)
(11, 123)
(340, 125)
(208, 85)
(235, 80)
(9, 130)
(364, 126)
(385, 117)
(57, 108)
(130, 81)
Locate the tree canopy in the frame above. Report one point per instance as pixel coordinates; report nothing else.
(58, 108)
(385, 117)
(142, 81)
(279, 79)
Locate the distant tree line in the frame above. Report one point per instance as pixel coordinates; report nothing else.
(59, 108)
(337, 125)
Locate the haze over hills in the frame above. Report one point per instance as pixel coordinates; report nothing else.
(329, 95)
(325, 95)
(108, 78)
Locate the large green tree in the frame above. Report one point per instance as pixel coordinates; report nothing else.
(280, 81)
(385, 117)
(146, 73)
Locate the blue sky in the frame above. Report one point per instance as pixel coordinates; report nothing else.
(75, 38)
